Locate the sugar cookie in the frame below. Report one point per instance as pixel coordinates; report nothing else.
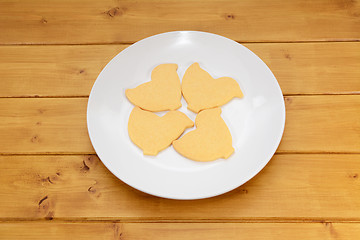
(153, 133)
(201, 91)
(162, 93)
(209, 141)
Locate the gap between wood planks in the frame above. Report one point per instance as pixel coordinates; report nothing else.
(154, 220)
(94, 154)
(285, 95)
(129, 43)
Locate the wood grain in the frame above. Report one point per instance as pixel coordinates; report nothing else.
(292, 186)
(49, 231)
(58, 125)
(44, 125)
(322, 123)
(301, 68)
(110, 21)
(52, 70)
(179, 231)
(313, 68)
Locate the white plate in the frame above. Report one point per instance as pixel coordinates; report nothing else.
(256, 121)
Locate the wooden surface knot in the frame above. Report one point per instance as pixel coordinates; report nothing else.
(229, 16)
(116, 11)
(44, 20)
(35, 139)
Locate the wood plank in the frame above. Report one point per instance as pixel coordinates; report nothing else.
(58, 125)
(46, 231)
(52, 70)
(112, 21)
(317, 124)
(313, 68)
(292, 186)
(129, 231)
(301, 68)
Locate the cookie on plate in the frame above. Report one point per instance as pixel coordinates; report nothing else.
(201, 91)
(153, 133)
(162, 93)
(210, 140)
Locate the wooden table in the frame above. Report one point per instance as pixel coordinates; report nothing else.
(53, 186)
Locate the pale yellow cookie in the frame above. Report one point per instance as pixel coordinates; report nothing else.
(209, 141)
(201, 91)
(153, 133)
(162, 93)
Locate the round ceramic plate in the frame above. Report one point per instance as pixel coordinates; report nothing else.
(256, 121)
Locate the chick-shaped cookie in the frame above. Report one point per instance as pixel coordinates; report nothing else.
(209, 141)
(153, 133)
(201, 91)
(162, 93)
